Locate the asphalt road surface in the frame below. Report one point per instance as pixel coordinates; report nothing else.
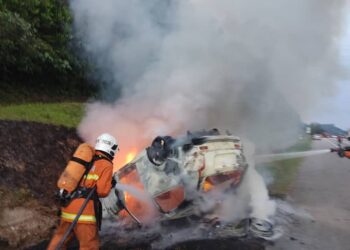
(322, 190)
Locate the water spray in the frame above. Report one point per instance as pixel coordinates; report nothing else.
(342, 152)
(289, 155)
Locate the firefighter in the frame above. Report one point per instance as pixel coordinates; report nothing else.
(99, 175)
(340, 140)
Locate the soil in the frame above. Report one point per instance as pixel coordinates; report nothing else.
(32, 155)
(223, 244)
(203, 244)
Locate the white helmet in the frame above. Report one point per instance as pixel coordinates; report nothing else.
(106, 143)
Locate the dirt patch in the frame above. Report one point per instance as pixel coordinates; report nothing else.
(200, 244)
(23, 226)
(32, 155)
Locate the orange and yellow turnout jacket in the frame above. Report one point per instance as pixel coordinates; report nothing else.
(100, 175)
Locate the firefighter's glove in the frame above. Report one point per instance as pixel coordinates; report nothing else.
(63, 197)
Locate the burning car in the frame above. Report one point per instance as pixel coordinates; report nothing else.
(173, 177)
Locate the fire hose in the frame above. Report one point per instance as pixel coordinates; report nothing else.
(132, 216)
(72, 225)
(122, 205)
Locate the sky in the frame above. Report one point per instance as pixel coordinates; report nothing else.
(336, 109)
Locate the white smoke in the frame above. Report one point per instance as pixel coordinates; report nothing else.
(253, 67)
(191, 64)
(251, 199)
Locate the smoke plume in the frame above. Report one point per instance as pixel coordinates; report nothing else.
(253, 67)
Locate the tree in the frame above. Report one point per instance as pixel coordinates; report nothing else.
(316, 128)
(35, 43)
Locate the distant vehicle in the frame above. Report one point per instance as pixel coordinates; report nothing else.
(326, 135)
(316, 137)
(173, 176)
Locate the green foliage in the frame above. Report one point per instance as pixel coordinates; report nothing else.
(316, 128)
(19, 93)
(15, 36)
(36, 45)
(66, 114)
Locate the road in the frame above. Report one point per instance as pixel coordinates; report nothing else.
(322, 190)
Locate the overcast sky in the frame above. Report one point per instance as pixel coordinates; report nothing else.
(337, 108)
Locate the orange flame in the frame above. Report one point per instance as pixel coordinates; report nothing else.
(124, 157)
(130, 156)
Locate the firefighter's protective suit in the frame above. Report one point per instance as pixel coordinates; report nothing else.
(86, 230)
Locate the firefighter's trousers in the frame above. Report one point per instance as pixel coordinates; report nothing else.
(86, 234)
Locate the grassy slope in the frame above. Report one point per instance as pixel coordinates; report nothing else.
(67, 113)
(284, 172)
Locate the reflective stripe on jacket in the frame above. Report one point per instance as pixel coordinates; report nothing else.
(91, 177)
(100, 176)
(82, 218)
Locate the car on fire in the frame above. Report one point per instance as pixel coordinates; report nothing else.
(171, 177)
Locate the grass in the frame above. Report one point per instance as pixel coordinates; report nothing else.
(68, 114)
(284, 172)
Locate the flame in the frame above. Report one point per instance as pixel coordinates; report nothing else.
(130, 156)
(124, 157)
(207, 186)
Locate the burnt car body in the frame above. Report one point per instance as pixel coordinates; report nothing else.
(170, 179)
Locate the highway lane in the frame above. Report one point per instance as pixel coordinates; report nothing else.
(322, 190)
(334, 142)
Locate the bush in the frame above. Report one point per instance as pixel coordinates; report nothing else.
(36, 45)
